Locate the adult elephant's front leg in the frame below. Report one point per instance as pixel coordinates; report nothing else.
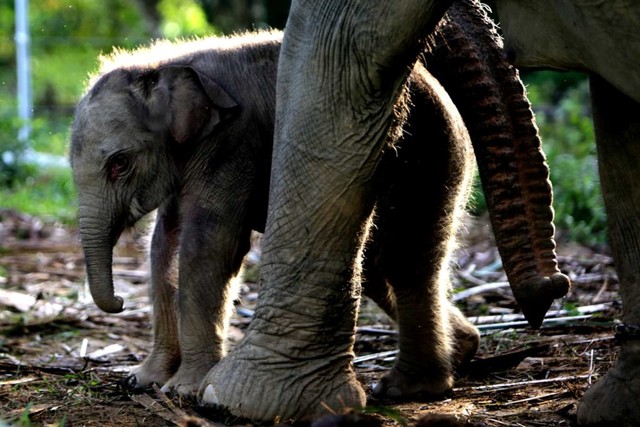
(614, 400)
(341, 70)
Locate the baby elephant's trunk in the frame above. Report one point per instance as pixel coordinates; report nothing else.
(97, 244)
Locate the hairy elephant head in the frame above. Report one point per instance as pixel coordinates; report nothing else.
(132, 133)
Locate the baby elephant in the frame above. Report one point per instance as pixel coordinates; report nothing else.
(187, 128)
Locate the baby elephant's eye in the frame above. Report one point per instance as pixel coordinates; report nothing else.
(118, 166)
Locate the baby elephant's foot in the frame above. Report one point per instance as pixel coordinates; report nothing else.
(615, 399)
(466, 338)
(262, 385)
(415, 378)
(397, 385)
(157, 368)
(186, 381)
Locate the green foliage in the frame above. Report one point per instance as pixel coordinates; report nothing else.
(67, 36)
(37, 190)
(45, 192)
(572, 309)
(7, 50)
(566, 128)
(85, 22)
(477, 204)
(549, 87)
(562, 106)
(60, 75)
(25, 420)
(51, 134)
(386, 411)
(183, 18)
(11, 150)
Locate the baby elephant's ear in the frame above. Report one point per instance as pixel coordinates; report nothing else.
(220, 98)
(197, 104)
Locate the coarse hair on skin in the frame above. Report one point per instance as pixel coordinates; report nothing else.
(400, 114)
(179, 51)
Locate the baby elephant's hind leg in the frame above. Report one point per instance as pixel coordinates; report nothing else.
(412, 242)
(466, 338)
(164, 359)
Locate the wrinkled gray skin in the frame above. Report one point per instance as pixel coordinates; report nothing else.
(602, 39)
(342, 71)
(202, 154)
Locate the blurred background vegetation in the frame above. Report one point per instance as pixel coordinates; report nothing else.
(68, 35)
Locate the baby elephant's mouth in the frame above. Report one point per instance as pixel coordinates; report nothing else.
(135, 214)
(131, 221)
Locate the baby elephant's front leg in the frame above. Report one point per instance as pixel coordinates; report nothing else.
(164, 359)
(208, 263)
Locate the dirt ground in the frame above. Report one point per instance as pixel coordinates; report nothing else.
(61, 359)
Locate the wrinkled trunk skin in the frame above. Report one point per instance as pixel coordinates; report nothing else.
(97, 244)
(466, 55)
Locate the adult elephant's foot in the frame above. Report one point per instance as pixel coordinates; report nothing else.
(157, 368)
(615, 399)
(261, 384)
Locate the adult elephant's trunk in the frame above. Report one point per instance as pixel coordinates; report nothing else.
(466, 55)
(98, 238)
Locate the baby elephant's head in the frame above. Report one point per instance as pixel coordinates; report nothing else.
(131, 133)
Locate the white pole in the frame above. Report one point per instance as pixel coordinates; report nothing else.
(25, 107)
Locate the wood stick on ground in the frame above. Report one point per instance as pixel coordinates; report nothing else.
(168, 401)
(590, 367)
(375, 331)
(524, 323)
(156, 408)
(546, 396)
(375, 356)
(601, 259)
(498, 318)
(479, 282)
(501, 386)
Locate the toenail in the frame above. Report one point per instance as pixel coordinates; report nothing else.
(209, 395)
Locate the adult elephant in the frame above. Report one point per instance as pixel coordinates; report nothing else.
(602, 39)
(343, 67)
